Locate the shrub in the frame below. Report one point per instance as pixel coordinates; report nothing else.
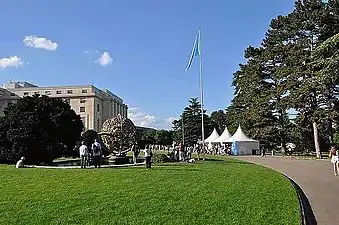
(160, 158)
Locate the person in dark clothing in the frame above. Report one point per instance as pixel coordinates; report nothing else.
(96, 153)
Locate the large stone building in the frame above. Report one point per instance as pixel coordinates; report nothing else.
(92, 104)
(6, 97)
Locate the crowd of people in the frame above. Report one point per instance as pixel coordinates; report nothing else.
(177, 152)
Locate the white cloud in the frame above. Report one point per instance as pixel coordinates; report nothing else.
(145, 119)
(40, 42)
(90, 51)
(12, 61)
(105, 59)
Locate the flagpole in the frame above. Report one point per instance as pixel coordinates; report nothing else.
(183, 131)
(201, 97)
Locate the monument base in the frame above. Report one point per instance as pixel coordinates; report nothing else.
(120, 160)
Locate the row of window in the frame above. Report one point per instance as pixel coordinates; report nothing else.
(83, 91)
(83, 109)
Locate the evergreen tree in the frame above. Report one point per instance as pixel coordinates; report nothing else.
(218, 118)
(281, 75)
(191, 121)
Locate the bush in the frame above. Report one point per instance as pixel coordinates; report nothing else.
(88, 137)
(160, 158)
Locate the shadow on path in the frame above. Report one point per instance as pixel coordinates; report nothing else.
(307, 215)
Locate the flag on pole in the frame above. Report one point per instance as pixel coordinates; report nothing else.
(195, 51)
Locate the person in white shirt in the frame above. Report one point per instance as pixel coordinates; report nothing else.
(148, 156)
(20, 163)
(83, 150)
(96, 153)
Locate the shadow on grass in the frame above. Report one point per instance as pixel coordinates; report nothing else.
(212, 160)
(307, 215)
(177, 169)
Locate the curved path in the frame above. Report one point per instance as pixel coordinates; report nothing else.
(315, 178)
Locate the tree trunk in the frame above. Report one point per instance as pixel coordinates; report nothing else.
(283, 146)
(316, 139)
(330, 131)
(282, 132)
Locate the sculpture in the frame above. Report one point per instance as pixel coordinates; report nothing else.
(118, 135)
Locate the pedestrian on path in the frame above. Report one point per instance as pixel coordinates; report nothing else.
(83, 150)
(96, 148)
(148, 156)
(334, 160)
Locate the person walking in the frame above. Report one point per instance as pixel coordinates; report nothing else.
(83, 151)
(263, 152)
(135, 151)
(189, 152)
(96, 153)
(334, 160)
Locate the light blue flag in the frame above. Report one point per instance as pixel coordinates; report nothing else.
(195, 51)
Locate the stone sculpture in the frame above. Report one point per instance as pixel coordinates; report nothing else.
(119, 135)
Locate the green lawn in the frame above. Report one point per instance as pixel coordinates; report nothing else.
(219, 191)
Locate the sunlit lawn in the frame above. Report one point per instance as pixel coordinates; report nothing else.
(217, 191)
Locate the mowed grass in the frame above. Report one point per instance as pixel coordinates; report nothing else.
(217, 191)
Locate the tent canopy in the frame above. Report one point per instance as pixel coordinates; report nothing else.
(239, 136)
(213, 136)
(223, 137)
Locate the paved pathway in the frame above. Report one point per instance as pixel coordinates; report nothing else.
(316, 179)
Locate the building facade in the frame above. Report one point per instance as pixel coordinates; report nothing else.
(6, 97)
(92, 104)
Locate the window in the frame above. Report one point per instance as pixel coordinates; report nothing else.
(69, 91)
(84, 91)
(82, 109)
(98, 124)
(25, 93)
(68, 100)
(47, 92)
(82, 100)
(58, 92)
(98, 108)
(83, 119)
(36, 93)
(12, 94)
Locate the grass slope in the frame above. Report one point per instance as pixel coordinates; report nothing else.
(218, 191)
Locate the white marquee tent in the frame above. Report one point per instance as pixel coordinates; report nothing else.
(212, 137)
(223, 137)
(245, 144)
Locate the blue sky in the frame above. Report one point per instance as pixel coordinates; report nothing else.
(144, 47)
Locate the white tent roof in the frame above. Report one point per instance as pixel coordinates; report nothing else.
(239, 136)
(213, 136)
(223, 137)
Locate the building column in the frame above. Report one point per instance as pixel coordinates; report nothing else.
(114, 109)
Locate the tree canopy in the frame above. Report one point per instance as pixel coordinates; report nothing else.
(39, 128)
(286, 91)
